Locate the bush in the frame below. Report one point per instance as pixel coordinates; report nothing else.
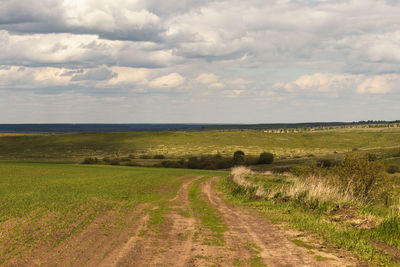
(144, 156)
(172, 164)
(133, 164)
(363, 177)
(125, 159)
(238, 158)
(210, 162)
(159, 157)
(299, 170)
(326, 163)
(266, 158)
(114, 162)
(393, 169)
(280, 170)
(90, 161)
(250, 160)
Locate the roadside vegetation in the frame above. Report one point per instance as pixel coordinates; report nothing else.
(207, 162)
(352, 204)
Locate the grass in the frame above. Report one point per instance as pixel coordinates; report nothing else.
(340, 233)
(209, 216)
(50, 203)
(75, 147)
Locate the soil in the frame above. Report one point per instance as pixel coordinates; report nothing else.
(250, 240)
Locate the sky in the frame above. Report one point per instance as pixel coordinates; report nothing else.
(199, 61)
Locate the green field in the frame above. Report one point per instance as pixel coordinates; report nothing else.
(74, 147)
(46, 206)
(49, 203)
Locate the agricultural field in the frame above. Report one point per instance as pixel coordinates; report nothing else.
(61, 214)
(55, 214)
(75, 147)
(49, 212)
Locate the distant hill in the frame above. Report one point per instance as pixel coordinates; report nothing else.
(88, 128)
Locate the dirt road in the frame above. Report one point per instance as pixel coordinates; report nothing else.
(248, 241)
(194, 228)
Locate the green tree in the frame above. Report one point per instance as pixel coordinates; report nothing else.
(238, 158)
(266, 158)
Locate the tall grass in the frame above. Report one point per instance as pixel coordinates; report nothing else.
(309, 188)
(356, 180)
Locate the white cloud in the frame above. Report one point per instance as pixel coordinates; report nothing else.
(21, 77)
(128, 75)
(382, 84)
(205, 50)
(172, 80)
(207, 78)
(333, 84)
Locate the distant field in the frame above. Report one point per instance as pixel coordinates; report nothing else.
(42, 205)
(70, 147)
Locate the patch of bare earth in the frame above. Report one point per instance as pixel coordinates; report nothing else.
(272, 244)
(172, 246)
(85, 241)
(249, 241)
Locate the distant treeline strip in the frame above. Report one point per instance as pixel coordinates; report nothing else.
(86, 128)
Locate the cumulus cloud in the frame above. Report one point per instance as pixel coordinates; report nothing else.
(207, 78)
(99, 74)
(382, 84)
(333, 84)
(211, 49)
(172, 80)
(21, 77)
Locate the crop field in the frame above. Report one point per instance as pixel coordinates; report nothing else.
(54, 214)
(74, 147)
(47, 208)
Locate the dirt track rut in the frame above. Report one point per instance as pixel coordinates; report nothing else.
(249, 241)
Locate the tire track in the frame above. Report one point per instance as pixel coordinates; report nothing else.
(273, 246)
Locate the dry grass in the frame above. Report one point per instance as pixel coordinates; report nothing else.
(312, 187)
(318, 189)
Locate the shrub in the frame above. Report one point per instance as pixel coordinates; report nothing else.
(90, 161)
(159, 157)
(280, 170)
(131, 156)
(393, 169)
(238, 158)
(363, 177)
(133, 164)
(144, 156)
(326, 163)
(210, 162)
(371, 156)
(125, 159)
(172, 164)
(114, 162)
(250, 160)
(299, 170)
(266, 158)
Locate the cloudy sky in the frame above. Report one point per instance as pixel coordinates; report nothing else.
(199, 61)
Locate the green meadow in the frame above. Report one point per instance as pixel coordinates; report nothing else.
(49, 203)
(74, 147)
